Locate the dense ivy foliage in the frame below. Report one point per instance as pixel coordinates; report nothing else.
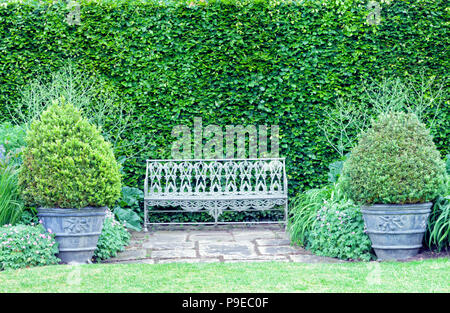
(395, 161)
(229, 62)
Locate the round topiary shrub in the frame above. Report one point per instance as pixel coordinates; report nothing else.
(395, 161)
(67, 163)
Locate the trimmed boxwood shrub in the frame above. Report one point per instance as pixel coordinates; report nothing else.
(395, 161)
(67, 163)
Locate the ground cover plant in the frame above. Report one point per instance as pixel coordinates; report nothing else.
(26, 246)
(303, 211)
(328, 223)
(338, 231)
(127, 209)
(113, 239)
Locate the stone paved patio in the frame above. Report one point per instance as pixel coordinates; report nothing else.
(258, 243)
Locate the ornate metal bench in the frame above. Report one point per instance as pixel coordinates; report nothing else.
(215, 186)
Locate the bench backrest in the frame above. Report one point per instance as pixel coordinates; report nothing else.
(216, 177)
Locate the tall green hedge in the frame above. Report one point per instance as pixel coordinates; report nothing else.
(253, 62)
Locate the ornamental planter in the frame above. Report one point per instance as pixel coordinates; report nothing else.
(396, 230)
(76, 231)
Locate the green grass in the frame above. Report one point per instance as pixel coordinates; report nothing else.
(418, 276)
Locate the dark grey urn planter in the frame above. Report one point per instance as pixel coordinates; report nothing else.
(76, 231)
(396, 230)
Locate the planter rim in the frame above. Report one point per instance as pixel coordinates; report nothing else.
(388, 206)
(72, 209)
(86, 211)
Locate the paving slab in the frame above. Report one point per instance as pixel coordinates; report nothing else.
(213, 236)
(137, 261)
(180, 253)
(130, 255)
(257, 243)
(275, 250)
(169, 236)
(183, 260)
(253, 234)
(168, 245)
(282, 235)
(272, 242)
(227, 250)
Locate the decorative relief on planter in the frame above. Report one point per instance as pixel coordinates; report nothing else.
(76, 225)
(420, 221)
(390, 223)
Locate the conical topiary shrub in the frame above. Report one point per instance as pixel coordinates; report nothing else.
(67, 163)
(395, 171)
(69, 171)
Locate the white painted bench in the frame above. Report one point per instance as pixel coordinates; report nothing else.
(215, 186)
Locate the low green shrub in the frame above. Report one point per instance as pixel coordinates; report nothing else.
(25, 246)
(338, 231)
(67, 163)
(11, 205)
(128, 206)
(395, 161)
(28, 216)
(113, 239)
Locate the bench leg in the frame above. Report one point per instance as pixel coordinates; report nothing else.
(145, 217)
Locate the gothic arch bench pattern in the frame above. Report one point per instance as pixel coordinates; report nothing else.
(215, 186)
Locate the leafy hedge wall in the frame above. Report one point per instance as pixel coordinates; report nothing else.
(231, 63)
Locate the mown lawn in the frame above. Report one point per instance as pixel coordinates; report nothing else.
(418, 276)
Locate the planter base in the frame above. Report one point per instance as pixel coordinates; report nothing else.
(76, 231)
(396, 230)
(395, 253)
